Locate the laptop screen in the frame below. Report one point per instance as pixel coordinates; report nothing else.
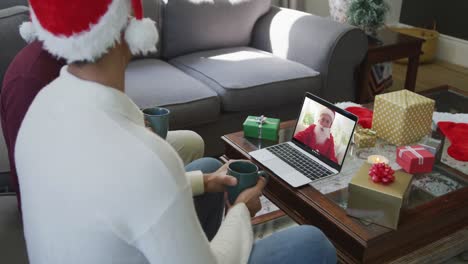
(324, 130)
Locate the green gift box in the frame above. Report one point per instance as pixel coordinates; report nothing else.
(364, 138)
(261, 127)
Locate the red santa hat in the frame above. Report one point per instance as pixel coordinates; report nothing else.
(80, 30)
(456, 133)
(329, 112)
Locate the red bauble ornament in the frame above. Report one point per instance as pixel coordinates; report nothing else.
(382, 173)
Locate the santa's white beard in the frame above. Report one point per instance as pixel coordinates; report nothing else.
(321, 134)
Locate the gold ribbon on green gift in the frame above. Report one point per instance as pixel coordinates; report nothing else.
(366, 132)
(260, 120)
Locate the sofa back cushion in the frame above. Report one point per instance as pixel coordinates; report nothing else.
(151, 9)
(10, 3)
(196, 25)
(11, 42)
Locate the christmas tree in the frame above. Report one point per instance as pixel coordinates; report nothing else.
(369, 15)
(308, 119)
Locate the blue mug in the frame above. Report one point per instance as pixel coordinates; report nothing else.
(158, 119)
(246, 174)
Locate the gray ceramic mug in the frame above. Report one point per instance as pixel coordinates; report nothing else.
(246, 174)
(158, 119)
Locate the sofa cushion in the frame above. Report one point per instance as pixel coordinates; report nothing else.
(11, 42)
(190, 25)
(153, 82)
(250, 79)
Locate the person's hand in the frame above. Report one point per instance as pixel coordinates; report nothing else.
(218, 180)
(251, 196)
(148, 126)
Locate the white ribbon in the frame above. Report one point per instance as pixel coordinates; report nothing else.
(260, 121)
(413, 150)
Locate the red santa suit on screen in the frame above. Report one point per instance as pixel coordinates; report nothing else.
(318, 136)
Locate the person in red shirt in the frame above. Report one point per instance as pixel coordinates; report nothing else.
(318, 136)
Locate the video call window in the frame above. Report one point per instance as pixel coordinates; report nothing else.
(324, 130)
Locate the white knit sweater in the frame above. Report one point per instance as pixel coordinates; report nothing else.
(97, 187)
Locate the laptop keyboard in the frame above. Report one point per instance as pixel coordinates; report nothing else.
(305, 165)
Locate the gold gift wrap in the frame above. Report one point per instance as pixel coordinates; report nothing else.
(402, 117)
(364, 138)
(377, 203)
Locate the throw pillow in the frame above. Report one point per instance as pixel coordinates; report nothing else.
(195, 25)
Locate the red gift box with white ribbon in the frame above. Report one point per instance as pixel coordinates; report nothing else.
(415, 159)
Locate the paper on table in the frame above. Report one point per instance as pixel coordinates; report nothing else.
(267, 206)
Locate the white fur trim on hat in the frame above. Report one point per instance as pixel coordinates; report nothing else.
(89, 45)
(328, 112)
(141, 36)
(27, 32)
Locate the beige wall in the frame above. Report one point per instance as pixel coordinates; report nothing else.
(318, 7)
(275, 2)
(395, 10)
(294, 4)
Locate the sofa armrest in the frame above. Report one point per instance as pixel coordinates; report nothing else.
(331, 48)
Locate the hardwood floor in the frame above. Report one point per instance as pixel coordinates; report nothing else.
(432, 75)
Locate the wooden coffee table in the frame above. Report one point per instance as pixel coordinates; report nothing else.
(428, 224)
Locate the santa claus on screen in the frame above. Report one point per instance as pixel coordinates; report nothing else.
(318, 137)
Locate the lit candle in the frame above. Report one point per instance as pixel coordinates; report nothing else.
(377, 159)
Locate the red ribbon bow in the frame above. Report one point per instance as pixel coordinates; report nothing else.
(382, 173)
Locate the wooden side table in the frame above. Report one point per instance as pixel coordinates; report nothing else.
(393, 46)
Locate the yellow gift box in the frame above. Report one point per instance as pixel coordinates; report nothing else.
(402, 117)
(375, 202)
(364, 138)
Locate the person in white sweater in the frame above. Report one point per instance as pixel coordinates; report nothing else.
(98, 187)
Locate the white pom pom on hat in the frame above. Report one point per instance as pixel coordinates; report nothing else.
(27, 32)
(80, 30)
(141, 36)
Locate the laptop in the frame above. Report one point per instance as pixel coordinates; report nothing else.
(319, 145)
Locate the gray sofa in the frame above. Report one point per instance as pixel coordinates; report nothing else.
(219, 62)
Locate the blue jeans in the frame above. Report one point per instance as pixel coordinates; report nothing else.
(209, 206)
(300, 244)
